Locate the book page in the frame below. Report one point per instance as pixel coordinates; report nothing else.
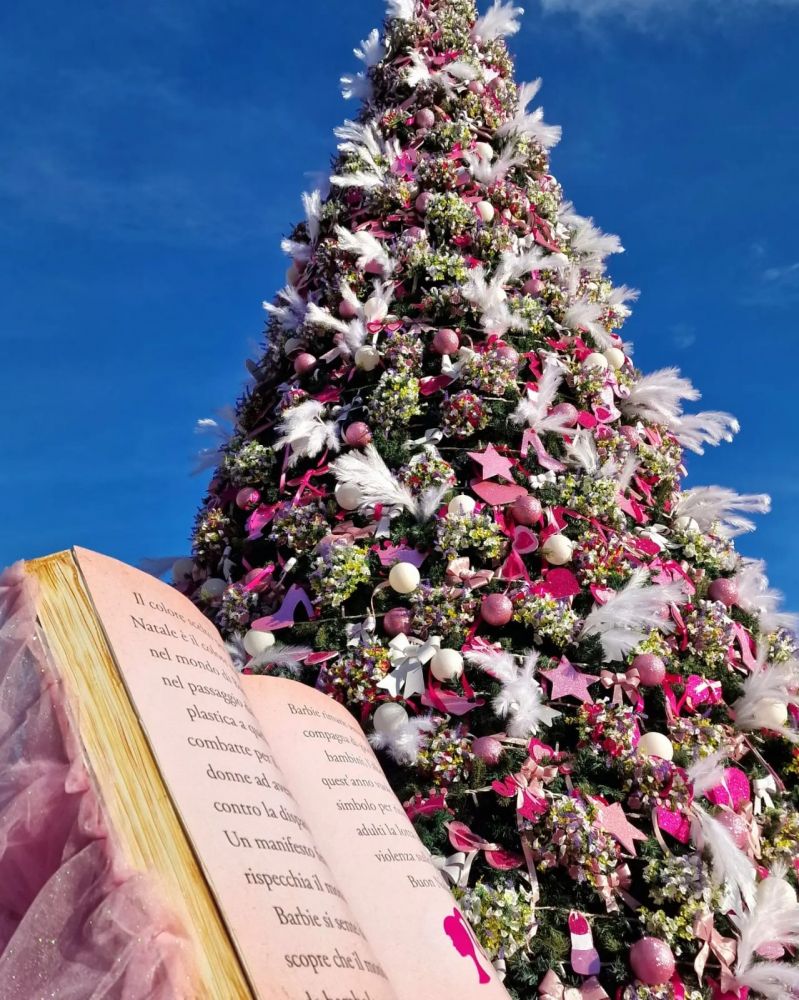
(397, 895)
(295, 934)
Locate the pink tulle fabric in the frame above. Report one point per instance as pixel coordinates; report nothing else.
(73, 925)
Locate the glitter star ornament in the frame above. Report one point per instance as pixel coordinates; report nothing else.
(569, 682)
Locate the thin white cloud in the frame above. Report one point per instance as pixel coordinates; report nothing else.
(644, 12)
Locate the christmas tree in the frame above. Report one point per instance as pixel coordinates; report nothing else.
(451, 501)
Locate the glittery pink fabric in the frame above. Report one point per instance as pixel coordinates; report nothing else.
(73, 925)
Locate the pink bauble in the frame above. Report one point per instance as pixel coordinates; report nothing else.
(652, 961)
(446, 342)
(397, 621)
(487, 748)
(423, 202)
(425, 118)
(526, 510)
(347, 309)
(737, 827)
(476, 87)
(304, 363)
(358, 435)
(651, 669)
(496, 610)
(508, 353)
(567, 412)
(247, 498)
(630, 434)
(532, 286)
(723, 590)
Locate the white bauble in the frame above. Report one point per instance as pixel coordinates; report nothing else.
(348, 496)
(771, 713)
(772, 887)
(447, 665)
(596, 361)
(615, 358)
(182, 570)
(212, 590)
(484, 150)
(461, 505)
(293, 344)
(367, 358)
(686, 524)
(557, 550)
(656, 745)
(390, 717)
(404, 578)
(256, 642)
(486, 211)
(375, 310)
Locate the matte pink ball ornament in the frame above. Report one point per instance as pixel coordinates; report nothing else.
(304, 363)
(247, 498)
(567, 412)
(651, 669)
(397, 621)
(496, 610)
(347, 309)
(446, 342)
(358, 435)
(423, 202)
(526, 510)
(652, 961)
(533, 286)
(724, 591)
(425, 118)
(508, 353)
(488, 748)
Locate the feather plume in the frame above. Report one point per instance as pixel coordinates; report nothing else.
(763, 688)
(403, 744)
(769, 920)
(582, 452)
(489, 172)
(305, 431)
(631, 613)
(658, 397)
(296, 250)
(772, 980)
(531, 125)
(491, 299)
(402, 10)
(719, 508)
(282, 655)
(316, 316)
(364, 247)
(694, 430)
(757, 597)
(312, 203)
(371, 50)
(587, 315)
(534, 409)
(729, 866)
(290, 315)
(707, 772)
(376, 483)
(521, 699)
(501, 20)
(587, 240)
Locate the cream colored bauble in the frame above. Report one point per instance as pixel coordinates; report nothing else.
(484, 150)
(771, 713)
(404, 578)
(656, 745)
(367, 358)
(390, 717)
(182, 570)
(348, 496)
(375, 310)
(686, 524)
(461, 505)
(557, 550)
(615, 358)
(212, 590)
(293, 344)
(486, 211)
(447, 665)
(596, 362)
(776, 890)
(256, 642)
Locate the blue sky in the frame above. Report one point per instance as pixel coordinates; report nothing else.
(154, 154)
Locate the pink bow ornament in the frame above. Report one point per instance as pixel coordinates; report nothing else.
(459, 572)
(622, 683)
(552, 988)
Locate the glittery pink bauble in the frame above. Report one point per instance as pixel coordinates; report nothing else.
(347, 309)
(567, 412)
(526, 510)
(446, 342)
(496, 609)
(736, 826)
(247, 498)
(397, 622)
(508, 353)
(629, 432)
(304, 363)
(651, 669)
(652, 961)
(724, 591)
(532, 286)
(358, 435)
(425, 118)
(423, 202)
(487, 748)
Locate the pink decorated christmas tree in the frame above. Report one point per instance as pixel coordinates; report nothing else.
(452, 502)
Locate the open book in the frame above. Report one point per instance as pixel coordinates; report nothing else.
(256, 802)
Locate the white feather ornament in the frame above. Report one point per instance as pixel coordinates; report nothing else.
(521, 699)
(631, 613)
(587, 315)
(291, 315)
(305, 431)
(720, 508)
(489, 172)
(371, 50)
(365, 248)
(771, 920)
(658, 397)
(404, 742)
(531, 125)
(500, 20)
(770, 685)
(694, 430)
(375, 482)
(589, 242)
(757, 597)
(490, 297)
(534, 409)
(402, 10)
(730, 867)
(357, 87)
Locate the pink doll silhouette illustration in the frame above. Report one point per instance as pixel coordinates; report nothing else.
(460, 933)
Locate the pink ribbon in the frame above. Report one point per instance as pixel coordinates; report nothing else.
(622, 683)
(723, 948)
(460, 572)
(552, 988)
